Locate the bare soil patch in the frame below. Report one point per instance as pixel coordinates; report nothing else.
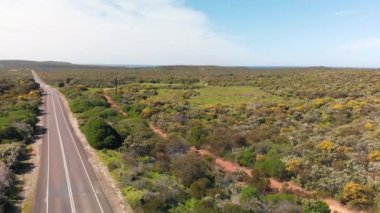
(157, 130)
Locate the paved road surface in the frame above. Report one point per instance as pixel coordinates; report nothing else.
(66, 182)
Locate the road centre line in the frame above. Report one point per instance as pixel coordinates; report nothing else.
(64, 162)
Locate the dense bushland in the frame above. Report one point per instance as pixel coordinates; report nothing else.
(315, 126)
(19, 100)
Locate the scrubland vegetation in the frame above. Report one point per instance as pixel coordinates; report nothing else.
(19, 102)
(317, 127)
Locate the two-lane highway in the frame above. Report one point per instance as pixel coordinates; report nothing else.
(66, 181)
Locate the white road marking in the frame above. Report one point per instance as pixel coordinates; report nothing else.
(64, 162)
(48, 157)
(80, 157)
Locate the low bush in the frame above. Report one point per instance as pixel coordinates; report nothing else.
(84, 103)
(101, 135)
(315, 206)
(189, 168)
(6, 183)
(11, 153)
(271, 165)
(358, 195)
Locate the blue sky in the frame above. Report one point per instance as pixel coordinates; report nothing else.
(343, 33)
(300, 32)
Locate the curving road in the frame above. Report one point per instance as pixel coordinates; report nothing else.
(66, 182)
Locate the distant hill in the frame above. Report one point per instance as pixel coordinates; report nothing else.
(54, 65)
(58, 65)
(24, 64)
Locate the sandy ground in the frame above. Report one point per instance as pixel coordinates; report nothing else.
(225, 165)
(108, 184)
(157, 130)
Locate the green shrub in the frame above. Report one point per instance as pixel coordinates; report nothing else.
(272, 165)
(206, 205)
(317, 206)
(94, 112)
(199, 188)
(187, 207)
(134, 196)
(17, 131)
(136, 109)
(108, 113)
(259, 180)
(249, 193)
(112, 165)
(235, 208)
(245, 156)
(31, 106)
(154, 203)
(61, 84)
(196, 134)
(101, 135)
(22, 116)
(133, 125)
(78, 105)
(189, 168)
(279, 197)
(84, 103)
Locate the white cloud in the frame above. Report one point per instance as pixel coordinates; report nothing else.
(362, 44)
(113, 32)
(345, 13)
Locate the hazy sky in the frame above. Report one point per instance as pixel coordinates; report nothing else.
(220, 32)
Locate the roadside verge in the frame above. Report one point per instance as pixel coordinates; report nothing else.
(30, 179)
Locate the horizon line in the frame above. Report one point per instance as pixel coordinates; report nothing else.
(185, 65)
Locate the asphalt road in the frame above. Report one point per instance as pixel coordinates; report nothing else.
(66, 181)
